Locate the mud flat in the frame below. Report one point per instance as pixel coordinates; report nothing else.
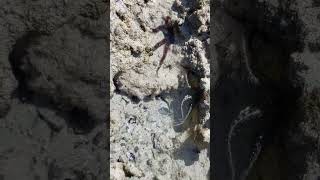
(52, 107)
(160, 120)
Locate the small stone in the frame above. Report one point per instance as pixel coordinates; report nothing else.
(117, 172)
(131, 170)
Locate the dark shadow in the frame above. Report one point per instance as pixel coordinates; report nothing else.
(19, 51)
(78, 119)
(270, 46)
(176, 104)
(188, 152)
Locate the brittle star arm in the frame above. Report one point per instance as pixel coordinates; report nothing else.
(246, 56)
(160, 43)
(258, 147)
(165, 52)
(157, 29)
(245, 115)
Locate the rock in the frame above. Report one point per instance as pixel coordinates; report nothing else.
(137, 82)
(117, 172)
(130, 170)
(147, 107)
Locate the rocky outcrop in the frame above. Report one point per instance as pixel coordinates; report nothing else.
(160, 112)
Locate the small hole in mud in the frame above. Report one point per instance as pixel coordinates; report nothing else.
(134, 53)
(135, 99)
(120, 16)
(143, 28)
(116, 81)
(19, 51)
(80, 121)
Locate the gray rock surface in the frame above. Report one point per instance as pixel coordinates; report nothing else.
(159, 120)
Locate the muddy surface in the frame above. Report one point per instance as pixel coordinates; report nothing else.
(261, 72)
(266, 58)
(160, 89)
(53, 104)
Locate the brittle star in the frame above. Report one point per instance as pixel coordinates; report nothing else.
(245, 54)
(169, 29)
(245, 115)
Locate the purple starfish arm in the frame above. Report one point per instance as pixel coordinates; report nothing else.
(159, 44)
(159, 28)
(165, 52)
